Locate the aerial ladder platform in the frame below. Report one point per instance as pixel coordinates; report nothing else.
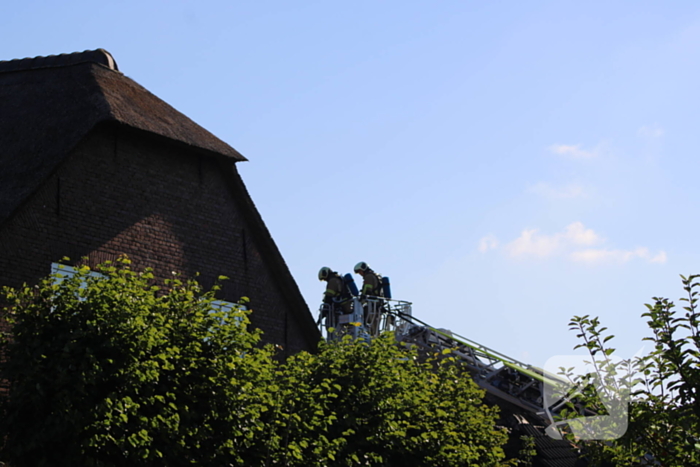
(503, 377)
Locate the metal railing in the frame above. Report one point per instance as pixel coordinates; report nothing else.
(365, 318)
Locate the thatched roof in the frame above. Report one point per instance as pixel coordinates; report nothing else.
(48, 104)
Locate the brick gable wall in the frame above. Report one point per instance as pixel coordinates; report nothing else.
(166, 207)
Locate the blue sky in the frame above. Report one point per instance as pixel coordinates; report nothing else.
(507, 164)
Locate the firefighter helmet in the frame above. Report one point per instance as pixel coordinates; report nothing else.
(361, 266)
(324, 273)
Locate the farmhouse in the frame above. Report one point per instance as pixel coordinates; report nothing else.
(94, 166)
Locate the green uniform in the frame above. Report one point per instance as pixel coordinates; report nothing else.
(371, 284)
(335, 289)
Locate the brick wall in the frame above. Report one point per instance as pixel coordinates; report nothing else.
(166, 207)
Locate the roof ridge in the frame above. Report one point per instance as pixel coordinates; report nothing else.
(99, 56)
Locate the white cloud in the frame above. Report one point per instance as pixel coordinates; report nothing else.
(575, 243)
(659, 258)
(593, 256)
(532, 243)
(487, 243)
(651, 131)
(577, 234)
(573, 151)
(571, 190)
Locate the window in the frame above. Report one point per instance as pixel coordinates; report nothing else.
(61, 272)
(221, 305)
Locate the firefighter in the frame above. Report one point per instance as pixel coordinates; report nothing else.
(336, 294)
(371, 281)
(371, 287)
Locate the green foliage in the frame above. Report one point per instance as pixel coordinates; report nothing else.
(664, 414)
(106, 370)
(378, 404)
(110, 370)
(527, 452)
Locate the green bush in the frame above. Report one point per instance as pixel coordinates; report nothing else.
(107, 370)
(664, 413)
(359, 403)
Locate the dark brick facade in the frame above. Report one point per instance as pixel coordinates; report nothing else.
(168, 207)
